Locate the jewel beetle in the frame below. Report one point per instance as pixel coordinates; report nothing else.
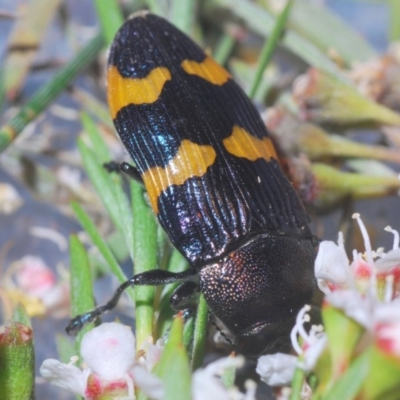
(214, 182)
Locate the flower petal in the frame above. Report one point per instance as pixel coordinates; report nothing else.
(66, 376)
(354, 304)
(332, 263)
(149, 384)
(109, 350)
(276, 369)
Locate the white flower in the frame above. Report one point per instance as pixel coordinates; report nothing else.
(109, 350)
(276, 369)
(313, 342)
(335, 272)
(66, 376)
(206, 382)
(332, 265)
(109, 366)
(354, 304)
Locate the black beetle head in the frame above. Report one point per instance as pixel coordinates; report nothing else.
(257, 290)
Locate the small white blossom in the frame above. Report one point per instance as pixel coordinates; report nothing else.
(313, 342)
(276, 369)
(207, 384)
(109, 365)
(332, 266)
(109, 350)
(66, 376)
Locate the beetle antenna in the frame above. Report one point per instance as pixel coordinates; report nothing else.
(77, 323)
(153, 277)
(223, 334)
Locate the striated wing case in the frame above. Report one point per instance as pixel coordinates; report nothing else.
(204, 154)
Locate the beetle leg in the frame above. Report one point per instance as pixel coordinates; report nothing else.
(128, 169)
(131, 171)
(154, 277)
(183, 296)
(111, 166)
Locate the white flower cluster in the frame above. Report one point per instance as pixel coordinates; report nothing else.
(366, 289)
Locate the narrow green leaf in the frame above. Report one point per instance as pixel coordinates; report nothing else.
(20, 315)
(126, 220)
(98, 241)
(200, 334)
(45, 95)
(177, 263)
(108, 186)
(96, 140)
(394, 13)
(343, 334)
(182, 15)
(94, 106)
(188, 332)
(25, 39)
(173, 367)
(347, 387)
(348, 44)
(159, 7)
(262, 22)
(110, 17)
(228, 376)
(104, 183)
(297, 384)
(17, 361)
(81, 284)
(269, 47)
(65, 348)
(224, 48)
(244, 74)
(145, 258)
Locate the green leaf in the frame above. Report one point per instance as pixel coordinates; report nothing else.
(262, 22)
(20, 315)
(224, 48)
(46, 94)
(102, 181)
(145, 258)
(348, 44)
(81, 284)
(343, 335)
(200, 334)
(297, 384)
(110, 18)
(173, 367)
(350, 383)
(394, 14)
(269, 47)
(96, 140)
(17, 361)
(98, 241)
(109, 188)
(65, 348)
(382, 382)
(177, 263)
(182, 15)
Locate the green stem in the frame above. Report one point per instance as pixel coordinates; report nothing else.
(200, 334)
(224, 48)
(44, 96)
(297, 384)
(110, 17)
(81, 287)
(270, 46)
(17, 372)
(145, 255)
